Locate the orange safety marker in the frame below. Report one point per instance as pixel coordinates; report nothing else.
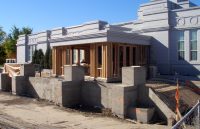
(177, 97)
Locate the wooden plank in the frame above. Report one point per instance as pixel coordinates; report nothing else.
(92, 60)
(78, 56)
(108, 60)
(53, 60)
(118, 61)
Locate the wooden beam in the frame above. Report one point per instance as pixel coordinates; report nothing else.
(92, 60)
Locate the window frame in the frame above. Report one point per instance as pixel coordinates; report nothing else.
(179, 42)
(191, 40)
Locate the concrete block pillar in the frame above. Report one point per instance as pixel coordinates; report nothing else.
(5, 82)
(73, 73)
(19, 85)
(134, 75)
(27, 70)
(123, 97)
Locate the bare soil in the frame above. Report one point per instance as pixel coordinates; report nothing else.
(26, 113)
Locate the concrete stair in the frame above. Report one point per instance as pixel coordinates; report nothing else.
(166, 89)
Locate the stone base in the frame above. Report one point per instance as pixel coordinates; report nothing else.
(143, 115)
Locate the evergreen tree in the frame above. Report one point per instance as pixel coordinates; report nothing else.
(2, 55)
(34, 58)
(46, 58)
(40, 58)
(50, 59)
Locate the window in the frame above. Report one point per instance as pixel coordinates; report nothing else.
(121, 56)
(68, 56)
(181, 48)
(193, 45)
(99, 56)
(82, 55)
(75, 56)
(134, 56)
(127, 56)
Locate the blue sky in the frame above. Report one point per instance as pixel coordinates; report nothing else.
(46, 14)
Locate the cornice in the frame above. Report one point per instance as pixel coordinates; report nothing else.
(80, 37)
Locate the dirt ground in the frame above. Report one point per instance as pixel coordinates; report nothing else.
(26, 113)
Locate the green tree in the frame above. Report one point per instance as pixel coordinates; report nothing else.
(47, 59)
(40, 58)
(34, 58)
(2, 35)
(2, 55)
(50, 59)
(11, 40)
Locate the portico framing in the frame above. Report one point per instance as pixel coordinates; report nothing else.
(101, 60)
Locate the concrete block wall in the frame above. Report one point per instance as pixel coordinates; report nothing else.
(27, 70)
(19, 84)
(96, 94)
(119, 97)
(70, 93)
(5, 82)
(44, 88)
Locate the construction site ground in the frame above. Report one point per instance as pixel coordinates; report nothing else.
(20, 112)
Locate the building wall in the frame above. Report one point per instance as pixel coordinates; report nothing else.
(161, 19)
(21, 54)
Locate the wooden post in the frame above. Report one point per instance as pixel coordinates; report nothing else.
(78, 56)
(53, 60)
(92, 60)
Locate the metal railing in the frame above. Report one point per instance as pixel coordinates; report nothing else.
(191, 120)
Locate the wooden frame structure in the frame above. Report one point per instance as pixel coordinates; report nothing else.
(103, 60)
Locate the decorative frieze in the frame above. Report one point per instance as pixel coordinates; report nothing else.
(187, 21)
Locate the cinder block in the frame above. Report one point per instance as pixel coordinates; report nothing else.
(143, 115)
(27, 70)
(122, 98)
(73, 73)
(71, 93)
(134, 75)
(19, 85)
(5, 82)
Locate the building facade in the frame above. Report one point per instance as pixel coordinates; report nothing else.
(170, 27)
